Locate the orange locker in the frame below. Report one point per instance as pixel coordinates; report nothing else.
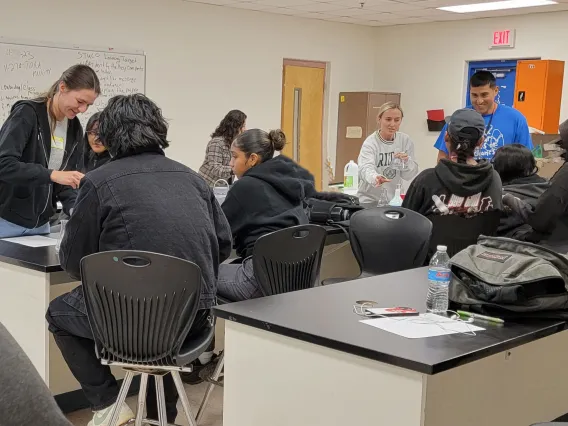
(538, 93)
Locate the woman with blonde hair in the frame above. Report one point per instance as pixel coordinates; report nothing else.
(376, 169)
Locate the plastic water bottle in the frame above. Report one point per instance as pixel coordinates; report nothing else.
(397, 199)
(351, 178)
(439, 274)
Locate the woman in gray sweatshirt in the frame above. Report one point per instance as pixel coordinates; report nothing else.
(376, 171)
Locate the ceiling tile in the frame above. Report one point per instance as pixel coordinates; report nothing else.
(343, 19)
(392, 6)
(250, 6)
(216, 2)
(429, 12)
(373, 17)
(310, 15)
(281, 11)
(348, 12)
(284, 3)
(319, 7)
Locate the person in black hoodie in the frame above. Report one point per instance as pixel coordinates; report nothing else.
(462, 186)
(95, 153)
(139, 201)
(547, 220)
(268, 196)
(40, 152)
(517, 168)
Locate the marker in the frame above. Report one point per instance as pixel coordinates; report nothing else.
(481, 317)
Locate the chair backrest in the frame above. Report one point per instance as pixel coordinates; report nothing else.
(458, 232)
(289, 259)
(140, 305)
(389, 239)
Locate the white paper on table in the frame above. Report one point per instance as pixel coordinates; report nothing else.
(32, 241)
(423, 325)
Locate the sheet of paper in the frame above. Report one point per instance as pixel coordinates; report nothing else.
(424, 325)
(33, 241)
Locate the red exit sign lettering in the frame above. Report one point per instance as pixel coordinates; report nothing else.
(503, 38)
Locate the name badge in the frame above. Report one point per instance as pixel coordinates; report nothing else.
(57, 142)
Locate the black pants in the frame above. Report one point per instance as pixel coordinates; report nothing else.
(73, 335)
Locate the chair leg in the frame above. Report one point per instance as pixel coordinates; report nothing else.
(121, 398)
(210, 387)
(162, 416)
(183, 398)
(141, 399)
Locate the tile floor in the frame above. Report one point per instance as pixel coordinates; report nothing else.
(213, 415)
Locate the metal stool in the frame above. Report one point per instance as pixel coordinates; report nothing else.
(141, 307)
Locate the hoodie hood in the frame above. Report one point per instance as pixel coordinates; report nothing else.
(528, 188)
(464, 179)
(286, 177)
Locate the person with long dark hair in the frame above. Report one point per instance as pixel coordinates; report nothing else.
(268, 195)
(120, 207)
(517, 167)
(218, 152)
(460, 185)
(40, 152)
(95, 153)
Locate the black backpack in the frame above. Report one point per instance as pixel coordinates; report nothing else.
(332, 208)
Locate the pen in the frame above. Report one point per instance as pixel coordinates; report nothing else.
(481, 317)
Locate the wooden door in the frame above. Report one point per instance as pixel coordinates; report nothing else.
(302, 114)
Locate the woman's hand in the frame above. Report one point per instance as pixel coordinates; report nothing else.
(380, 179)
(72, 179)
(402, 155)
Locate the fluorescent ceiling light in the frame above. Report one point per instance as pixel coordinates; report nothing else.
(496, 5)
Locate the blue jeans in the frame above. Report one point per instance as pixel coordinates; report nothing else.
(9, 229)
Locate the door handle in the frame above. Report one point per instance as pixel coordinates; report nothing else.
(297, 123)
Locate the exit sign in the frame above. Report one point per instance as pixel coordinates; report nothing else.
(503, 38)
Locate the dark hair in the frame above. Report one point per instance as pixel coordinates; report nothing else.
(230, 126)
(256, 141)
(131, 124)
(77, 77)
(514, 161)
(483, 78)
(94, 119)
(464, 147)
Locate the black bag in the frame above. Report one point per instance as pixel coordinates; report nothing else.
(331, 208)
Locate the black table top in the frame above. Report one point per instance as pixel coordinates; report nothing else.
(324, 316)
(43, 259)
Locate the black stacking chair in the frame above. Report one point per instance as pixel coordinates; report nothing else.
(458, 232)
(284, 261)
(141, 307)
(387, 239)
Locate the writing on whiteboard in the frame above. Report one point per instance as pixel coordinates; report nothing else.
(28, 71)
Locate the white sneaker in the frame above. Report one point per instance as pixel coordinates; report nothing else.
(102, 417)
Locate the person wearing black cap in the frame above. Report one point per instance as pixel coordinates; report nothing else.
(548, 220)
(461, 186)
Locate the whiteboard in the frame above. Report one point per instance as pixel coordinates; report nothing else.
(28, 70)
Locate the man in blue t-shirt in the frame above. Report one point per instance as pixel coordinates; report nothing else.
(503, 125)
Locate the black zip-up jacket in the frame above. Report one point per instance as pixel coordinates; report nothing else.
(27, 194)
(147, 202)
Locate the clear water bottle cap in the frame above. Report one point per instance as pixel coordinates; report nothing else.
(442, 248)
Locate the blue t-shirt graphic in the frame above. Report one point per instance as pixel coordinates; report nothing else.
(508, 126)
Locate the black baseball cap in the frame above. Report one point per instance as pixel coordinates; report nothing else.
(466, 125)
